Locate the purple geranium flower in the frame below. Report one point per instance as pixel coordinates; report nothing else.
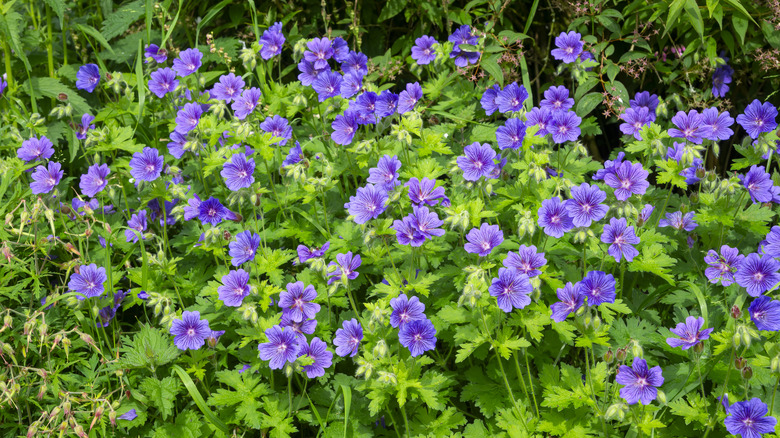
(765, 313)
(156, 53)
(327, 85)
(296, 301)
(540, 117)
(569, 46)
(386, 104)
(228, 88)
(406, 233)
(282, 347)
(308, 72)
(716, 126)
(356, 63)
(88, 77)
(272, 41)
(244, 248)
(722, 267)
(627, 179)
(418, 336)
(305, 253)
(46, 178)
(426, 192)
(188, 118)
(527, 261)
(35, 149)
(586, 205)
(463, 35)
(365, 108)
(351, 84)
(85, 126)
(279, 127)
(317, 351)
(422, 51)
(301, 329)
(95, 180)
(511, 135)
(647, 100)
(482, 241)
(564, 126)
(689, 332)
(129, 415)
(621, 237)
(758, 118)
(488, 100)
(340, 49)
(368, 203)
(406, 310)
(246, 103)
(640, 382)
(511, 98)
(598, 287)
(570, 301)
(211, 211)
(294, 156)
(678, 221)
(385, 174)
(238, 172)
(319, 52)
(688, 126)
(345, 269)
(348, 338)
(511, 289)
(235, 287)
(409, 97)
(758, 274)
(749, 419)
(188, 62)
(609, 167)
(634, 120)
(758, 184)
(88, 281)
(344, 127)
(136, 227)
(644, 214)
(163, 81)
(426, 222)
(721, 77)
(557, 99)
(554, 217)
(146, 165)
(190, 331)
(477, 161)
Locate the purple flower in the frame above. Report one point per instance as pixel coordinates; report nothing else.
(95, 180)
(351, 84)
(511, 289)
(645, 214)
(609, 167)
(422, 51)
(640, 382)
(598, 287)
(677, 221)
(758, 118)
(296, 301)
(409, 97)
(554, 217)
(689, 332)
(765, 313)
(426, 192)
(688, 126)
(244, 248)
(621, 237)
(345, 268)
(758, 184)
(238, 172)
(749, 419)
(163, 81)
(88, 281)
(294, 156)
(348, 338)
(188, 118)
(634, 120)
(316, 350)
(308, 72)
(282, 347)
(136, 227)
(88, 77)
(244, 105)
(716, 126)
(146, 165)
(279, 127)
(564, 126)
(385, 174)
(365, 108)
(527, 261)
(406, 233)
(569, 47)
(46, 178)
(511, 135)
(426, 222)
(570, 301)
(129, 415)
(340, 49)
(758, 274)
(272, 41)
(319, 52)
(155, 52)
(188, 62)
(488, 100)
(386, 104)
(482, 241)
(327, 85)
(344, 128)
(771, 246)
(463, 35)
(228, 88)
(720, 78)
(647, 100)
(477, 161)
(301, 328)
(190, 331)
(3, 84)
(418, 336)
(511, 98)
(85, 126)
(557, 99)
(211, 211)
(539, 117)
(34, 149)
(586, 205)
(368, 203)
(355, 63)
(406, 310)
(235, 287)
(305, 253)
(722, 267)
(627, 179)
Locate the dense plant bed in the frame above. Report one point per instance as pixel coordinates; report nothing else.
(294, 239)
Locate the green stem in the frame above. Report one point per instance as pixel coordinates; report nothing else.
(406, 421)
(663, 210)
(774, 393)
(531, 383)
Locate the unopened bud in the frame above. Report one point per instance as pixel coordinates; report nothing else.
(112, 418)
(78, 430)
(747, 373)
(774, 365)
(661, 397)
(609, 356)
(621, 354)
(380, 349)
(62, 97)
(736, 340)
(698, 348)
(226, 235)
(32, 430)
(636, 350)
(736, 312)
(740, 363)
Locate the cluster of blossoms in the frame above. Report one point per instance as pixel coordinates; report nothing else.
(416, 332)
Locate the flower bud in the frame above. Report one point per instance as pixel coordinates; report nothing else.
(609, 357)
(636, 350)
(661, 397)
(736, 312)
(747, 373)
(112, 418)
(774, 365)
(226, 235)
(736, 340)
(740, 363)
(32, 430)
(698, 348)
(380, 349)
